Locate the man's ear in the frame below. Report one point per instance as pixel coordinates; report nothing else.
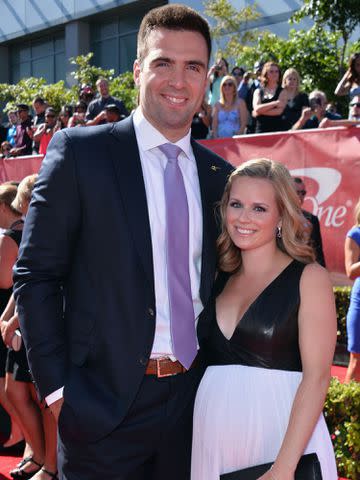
(136, 72)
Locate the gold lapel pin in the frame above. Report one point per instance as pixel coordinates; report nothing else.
(214, 167)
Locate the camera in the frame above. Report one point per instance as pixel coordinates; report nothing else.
(217, 68)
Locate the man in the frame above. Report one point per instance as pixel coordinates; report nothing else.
(23, 136)
(46, 130)
(315, 237)
(312, 116)
(352, 121)
(113, 114)
(99, 309)
(39, 106)
(95, 114)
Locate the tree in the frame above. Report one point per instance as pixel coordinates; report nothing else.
(231, 30)
(339, 15)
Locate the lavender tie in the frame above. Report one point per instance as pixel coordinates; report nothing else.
(182, 317)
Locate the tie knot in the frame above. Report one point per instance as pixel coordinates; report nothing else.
(170, 150)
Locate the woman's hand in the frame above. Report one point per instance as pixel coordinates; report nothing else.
(8, 329)
(270, 475)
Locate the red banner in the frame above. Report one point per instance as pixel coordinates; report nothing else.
(327, 159)
(329, 162)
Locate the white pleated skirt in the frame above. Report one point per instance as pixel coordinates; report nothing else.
(240, 418)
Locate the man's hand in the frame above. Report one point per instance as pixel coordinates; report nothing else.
(55, 408)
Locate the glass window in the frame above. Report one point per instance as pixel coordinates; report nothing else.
(42, 49)
(127, 52)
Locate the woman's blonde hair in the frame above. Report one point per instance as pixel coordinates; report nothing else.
(295, 231)
(287, 73)
(7, 194)
(24, 190)
(228, 78)
(357, 213)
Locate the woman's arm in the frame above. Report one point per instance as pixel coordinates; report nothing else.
(317, 338)
(215, 120)
(243, 115)
(343, 87)
(8, 255)
(273, 108)
(39, 132)
(352, 255)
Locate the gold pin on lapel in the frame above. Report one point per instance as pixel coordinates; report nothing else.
(214, 167)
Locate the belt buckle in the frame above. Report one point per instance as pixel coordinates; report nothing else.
(158, 369)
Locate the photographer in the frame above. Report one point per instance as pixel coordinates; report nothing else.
(313, 115)
(215, 74)
(46, 130)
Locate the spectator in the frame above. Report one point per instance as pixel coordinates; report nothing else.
(11, 126)
(252, 86)
(244, 86)
(229, 114)
(350, 82)
(3, 130)
(238, 73)
(269, 100)
(295, 99)
(78, 118)
(112, 113)
(354, 116)
(39, 106)
(215, 74)
(331, 108)
(86, 93)
(352, 267)
(201, 122)
(23, 137)
(312, 116)
(45, 131)
(314, 224)
(95, 114)
(5, 149)
(64, 116)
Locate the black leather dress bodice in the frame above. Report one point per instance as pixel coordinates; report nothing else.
(267, 334)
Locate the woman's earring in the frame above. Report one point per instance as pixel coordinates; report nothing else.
(278, 231)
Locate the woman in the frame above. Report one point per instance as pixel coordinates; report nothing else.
(269, 100)
(9, 219)
(229, 114)
(352, 267)
(268, 333)
(350, 82)
(19, 387)
(78, 118)
(5, 149)
(201, 122)
(215, 75)
(295, 100)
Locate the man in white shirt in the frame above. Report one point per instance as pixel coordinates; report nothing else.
(95, 278)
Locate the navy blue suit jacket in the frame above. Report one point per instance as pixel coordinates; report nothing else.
(84, 278)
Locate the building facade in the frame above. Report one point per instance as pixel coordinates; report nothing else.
(37, 37)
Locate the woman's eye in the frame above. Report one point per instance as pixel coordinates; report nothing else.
(235, 204)
(258, 208)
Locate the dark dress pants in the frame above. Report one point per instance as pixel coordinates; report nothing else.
(153, 442)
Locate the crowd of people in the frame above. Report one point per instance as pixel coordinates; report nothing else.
(144, 332)
(239, 102)
(26, 134)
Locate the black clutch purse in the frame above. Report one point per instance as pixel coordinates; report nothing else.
(308, 468)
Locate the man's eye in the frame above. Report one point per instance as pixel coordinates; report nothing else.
(194, 68)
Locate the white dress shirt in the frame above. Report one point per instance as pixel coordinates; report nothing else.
(153, 163)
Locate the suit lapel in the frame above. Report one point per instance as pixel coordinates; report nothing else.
(126, 159)
(208, 260)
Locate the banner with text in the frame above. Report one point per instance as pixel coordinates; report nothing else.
(327, 159)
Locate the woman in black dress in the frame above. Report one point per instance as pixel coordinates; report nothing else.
(269, 100)
(296, 101)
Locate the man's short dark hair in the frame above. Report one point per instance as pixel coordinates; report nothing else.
(39, 100)
(113, 109)
(172, 17)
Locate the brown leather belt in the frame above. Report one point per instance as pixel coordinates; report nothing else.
(164, 367)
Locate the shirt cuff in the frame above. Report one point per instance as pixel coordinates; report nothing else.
(53, 397)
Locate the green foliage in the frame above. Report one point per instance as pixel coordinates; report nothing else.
(342, 415)
(231, 24)
(123, 87)
(57, 94)
(87, 73)
(342, 300)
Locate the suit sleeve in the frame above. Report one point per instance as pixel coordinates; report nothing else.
(44, 262)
